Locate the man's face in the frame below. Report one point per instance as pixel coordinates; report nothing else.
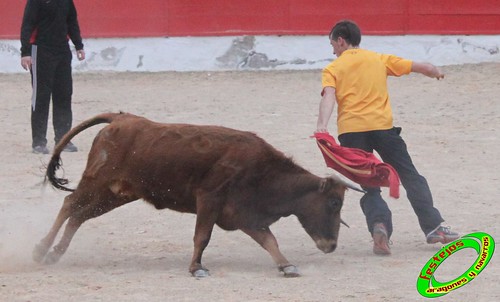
(337, 46)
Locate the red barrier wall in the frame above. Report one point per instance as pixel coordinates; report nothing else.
(151, 18)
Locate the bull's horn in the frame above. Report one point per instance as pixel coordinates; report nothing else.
(355, 188)
(344, 223)
(347, 184)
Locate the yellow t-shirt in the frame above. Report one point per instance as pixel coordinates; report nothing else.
(359, 77)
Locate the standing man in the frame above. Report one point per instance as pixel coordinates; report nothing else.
(357, 81)
(45, 52)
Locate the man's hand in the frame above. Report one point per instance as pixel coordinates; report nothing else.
(26, 62)
(80, 54)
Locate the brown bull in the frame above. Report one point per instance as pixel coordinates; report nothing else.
(226, 177)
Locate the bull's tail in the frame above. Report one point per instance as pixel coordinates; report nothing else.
(55, 161)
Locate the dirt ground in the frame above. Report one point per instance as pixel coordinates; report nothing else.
(136, 253)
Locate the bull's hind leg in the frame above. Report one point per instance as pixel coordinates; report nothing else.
(79, 207)
(267, 240)
(59, 250)
(43, 247)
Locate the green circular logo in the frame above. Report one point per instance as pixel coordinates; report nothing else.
(429, 287)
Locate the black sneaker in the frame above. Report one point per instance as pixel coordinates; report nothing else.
(70, 147)
(380, 240)
(442, 234)
(40, 149)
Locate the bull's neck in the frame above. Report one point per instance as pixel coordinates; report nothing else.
(291, 190)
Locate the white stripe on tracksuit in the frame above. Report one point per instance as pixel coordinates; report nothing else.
(33, 75)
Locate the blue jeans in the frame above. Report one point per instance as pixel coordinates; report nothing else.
(392, 149)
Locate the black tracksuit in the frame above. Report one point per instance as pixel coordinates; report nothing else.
(45, 29)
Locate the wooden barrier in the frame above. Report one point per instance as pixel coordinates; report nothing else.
(175, 18)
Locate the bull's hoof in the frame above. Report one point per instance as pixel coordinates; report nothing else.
(290, 271)
(200, 273)
(52, 258)
(39, 252)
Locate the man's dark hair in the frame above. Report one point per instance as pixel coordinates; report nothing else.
(348, 30)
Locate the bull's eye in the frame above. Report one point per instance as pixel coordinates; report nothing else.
(333, 203)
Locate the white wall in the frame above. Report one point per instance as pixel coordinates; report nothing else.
(257, 52)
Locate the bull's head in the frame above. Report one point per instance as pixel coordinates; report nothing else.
(320, 212)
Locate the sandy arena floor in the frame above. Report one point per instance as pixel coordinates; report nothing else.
(136, 253)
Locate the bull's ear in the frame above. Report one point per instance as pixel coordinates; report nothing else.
(349, 185)
(322, 185)
(328, 183)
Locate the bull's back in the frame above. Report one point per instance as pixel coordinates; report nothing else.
(166, 163)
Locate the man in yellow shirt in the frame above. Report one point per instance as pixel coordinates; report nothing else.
(357, 82)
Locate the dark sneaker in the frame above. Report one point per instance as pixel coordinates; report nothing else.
(442, 234)
(380, 240)
(70, 148)
(40, 149)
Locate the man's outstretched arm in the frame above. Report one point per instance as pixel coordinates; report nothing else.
(427, 69)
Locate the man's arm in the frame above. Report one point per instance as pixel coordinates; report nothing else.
(427, 69)
(325, 109)
(27, 27)
(74, 27)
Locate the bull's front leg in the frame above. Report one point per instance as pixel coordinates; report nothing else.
(267, 240)
(196, 268)
(205, 221)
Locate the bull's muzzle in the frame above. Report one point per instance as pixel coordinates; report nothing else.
(326, 246)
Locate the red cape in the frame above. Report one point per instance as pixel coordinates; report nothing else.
(359, 166)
